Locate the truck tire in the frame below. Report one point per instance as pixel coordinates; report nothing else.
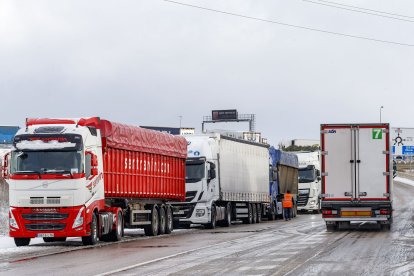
(271, 215)
(212, 224)
(385, 227)
(22, 241)
(259, 213)
(227, 221)
(54, 239)
(152, 229)
(169, 225)
(163, 221)
(254, 211)
(249, 219)
(117, 233)
(92, 239)
(331, 227)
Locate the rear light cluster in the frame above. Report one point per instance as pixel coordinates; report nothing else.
(383, 212)
(329, 212)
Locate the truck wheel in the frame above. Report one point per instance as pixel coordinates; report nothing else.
(386, 227)
(54, 239)
(272, 213)
(259, 213)
(162, 222)
(117, 233)
(152, 230)
(21, 241)
(331, 227)
(169, 227)
(249, 219)
(254, 213)
(212, 224)
(227, 221)
(93, 237)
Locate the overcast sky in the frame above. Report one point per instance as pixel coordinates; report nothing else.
(146, 62)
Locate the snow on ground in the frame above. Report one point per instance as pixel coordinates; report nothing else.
(404, 180)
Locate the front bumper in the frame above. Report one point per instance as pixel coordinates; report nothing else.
(47, 222)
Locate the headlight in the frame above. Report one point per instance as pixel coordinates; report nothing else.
(79, 219)
(12, 221)
(200, 212)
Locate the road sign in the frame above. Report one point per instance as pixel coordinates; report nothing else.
(402, 141)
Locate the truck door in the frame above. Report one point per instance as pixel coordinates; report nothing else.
(372, 157)
(337, 166)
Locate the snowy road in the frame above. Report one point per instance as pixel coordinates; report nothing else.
(299, 247)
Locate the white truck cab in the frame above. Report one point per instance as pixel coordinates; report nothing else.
(309, 181)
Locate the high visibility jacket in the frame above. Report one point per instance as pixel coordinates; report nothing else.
(287, 201)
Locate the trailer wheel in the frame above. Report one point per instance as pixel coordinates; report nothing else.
(259, 213)
(169, 227)
(331, 227)
(254, 213)
(152, 230)
(117, 233)
(162, 222)
(386, 227)
(21, 241)
(54, 239)
(227, 221)
(212, 224)
(93, 237)
(271, 215)
(249, 219)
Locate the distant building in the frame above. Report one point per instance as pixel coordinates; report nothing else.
(243, 135)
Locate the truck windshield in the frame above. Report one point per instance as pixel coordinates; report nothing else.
(195, 171)
(44, 162)
(307, 175)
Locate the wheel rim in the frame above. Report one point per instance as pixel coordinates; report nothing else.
(155, 220)
(169, 218)
(94, 230)
(119, 225)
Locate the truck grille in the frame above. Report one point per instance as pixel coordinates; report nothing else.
(37, 200)
(46, 227)
(303, 197)
(189, 196)
(45, 216)
(185, 210)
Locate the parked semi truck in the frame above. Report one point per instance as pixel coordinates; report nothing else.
(226, 180)
(356, 174)
(90, 178)
(309, 181)
(283, 174)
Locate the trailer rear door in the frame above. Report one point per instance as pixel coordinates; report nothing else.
(372, 162)
(337, 170)
(355, 162)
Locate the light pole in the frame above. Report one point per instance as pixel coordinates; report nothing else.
(381, 113)
(181, 117)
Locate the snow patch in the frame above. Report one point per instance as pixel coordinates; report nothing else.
(404, 181)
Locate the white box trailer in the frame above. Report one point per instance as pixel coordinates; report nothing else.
(356, 174)
(226, 179)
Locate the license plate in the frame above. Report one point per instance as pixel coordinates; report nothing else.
(179, 213)
(45, 235)
(356, 213)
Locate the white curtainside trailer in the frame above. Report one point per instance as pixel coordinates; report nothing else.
(356, 174)
(226, 179)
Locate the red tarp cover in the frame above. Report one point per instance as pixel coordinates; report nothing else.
(134, 138)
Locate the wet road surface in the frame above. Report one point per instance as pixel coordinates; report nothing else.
(298, 247)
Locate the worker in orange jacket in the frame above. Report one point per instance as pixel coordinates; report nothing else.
(287, 205)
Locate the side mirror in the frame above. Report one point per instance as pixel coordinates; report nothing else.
(319, 178)
(5, 169)
(212, 171)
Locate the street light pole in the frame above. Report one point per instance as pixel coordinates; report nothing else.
(181, 117)
(381, 113)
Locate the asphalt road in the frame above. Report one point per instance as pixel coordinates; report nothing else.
(298, 247)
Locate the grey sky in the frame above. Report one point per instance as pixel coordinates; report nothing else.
(146, 62)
